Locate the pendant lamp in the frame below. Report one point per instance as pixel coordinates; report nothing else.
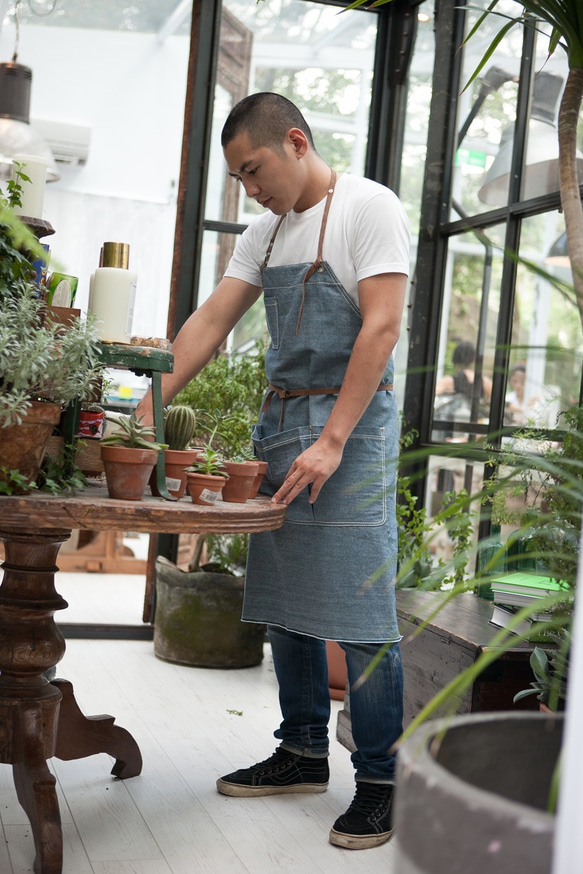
(17, 136)
(541, 169)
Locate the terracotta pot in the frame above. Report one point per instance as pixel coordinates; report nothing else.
(242, 475)
(127, 471)
(257, 481)
(22, 447)
(203, 488)
(175, 462)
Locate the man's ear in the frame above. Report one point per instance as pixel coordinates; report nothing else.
(298, 141)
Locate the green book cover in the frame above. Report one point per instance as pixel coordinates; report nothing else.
(527, 583)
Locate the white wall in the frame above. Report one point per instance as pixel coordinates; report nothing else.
(130, 90)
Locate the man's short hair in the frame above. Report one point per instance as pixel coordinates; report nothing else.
(266, 118)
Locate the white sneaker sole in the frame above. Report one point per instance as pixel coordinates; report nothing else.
(237, 791)
(358, 842)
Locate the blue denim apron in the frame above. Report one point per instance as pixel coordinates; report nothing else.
(329, 571)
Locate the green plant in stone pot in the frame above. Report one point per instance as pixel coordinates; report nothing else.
(198, 611)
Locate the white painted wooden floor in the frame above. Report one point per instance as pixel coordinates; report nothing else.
(192, 726)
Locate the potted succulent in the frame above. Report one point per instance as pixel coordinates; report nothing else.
(206, 476)
(179, 426)
(243, 471)
(129, 455)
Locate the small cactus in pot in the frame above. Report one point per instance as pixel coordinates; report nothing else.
(179, 425)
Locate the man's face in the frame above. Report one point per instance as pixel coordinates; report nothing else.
(273, 179)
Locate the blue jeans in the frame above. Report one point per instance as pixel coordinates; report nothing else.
(376, 706)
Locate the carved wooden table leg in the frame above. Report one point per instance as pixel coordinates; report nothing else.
(39, 719)
(30, 644)
(79, 736)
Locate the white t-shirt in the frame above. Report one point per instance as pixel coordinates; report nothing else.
(367, 233)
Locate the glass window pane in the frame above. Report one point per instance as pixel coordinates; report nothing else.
(547, 339)
(468, 336)
(486, 112)
(447, 477)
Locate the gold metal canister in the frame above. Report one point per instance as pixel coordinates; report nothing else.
(115, 255)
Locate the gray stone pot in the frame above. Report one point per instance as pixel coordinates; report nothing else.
(198, 620)
(476, 802)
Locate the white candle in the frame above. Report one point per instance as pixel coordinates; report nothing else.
(33, 192)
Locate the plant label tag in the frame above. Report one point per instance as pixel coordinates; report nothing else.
(172, 484)
(209, 497)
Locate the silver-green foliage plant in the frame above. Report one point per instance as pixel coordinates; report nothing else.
(39, 359)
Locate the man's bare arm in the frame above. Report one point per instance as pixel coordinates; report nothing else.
(200, 337)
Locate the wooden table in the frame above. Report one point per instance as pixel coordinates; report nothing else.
(457, 633)
(40, 719)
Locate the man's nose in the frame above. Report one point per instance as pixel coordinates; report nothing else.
(251, 187)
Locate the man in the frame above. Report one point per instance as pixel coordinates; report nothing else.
(331, 258)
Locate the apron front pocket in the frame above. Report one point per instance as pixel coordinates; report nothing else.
(358, 492)
(280, 451)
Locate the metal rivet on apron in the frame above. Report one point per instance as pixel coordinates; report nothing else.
(320, 269)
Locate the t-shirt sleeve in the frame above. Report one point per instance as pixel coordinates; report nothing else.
(248, 254)
(381, 236)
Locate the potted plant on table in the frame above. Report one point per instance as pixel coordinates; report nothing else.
(179, 426)
(206, 476)
(43, 367)
(129, 455)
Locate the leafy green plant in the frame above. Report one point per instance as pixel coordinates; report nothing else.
(417, 565)
(209, 462)
(228, 391)
(226, 553)
(61, 475)
(133, 435)
(12, 482)
(550, 671)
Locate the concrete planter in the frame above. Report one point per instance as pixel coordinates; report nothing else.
(476, 802)
(198, 620)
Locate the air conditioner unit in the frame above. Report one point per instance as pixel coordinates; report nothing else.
(69, 143)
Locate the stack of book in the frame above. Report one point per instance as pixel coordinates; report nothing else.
(513, 591)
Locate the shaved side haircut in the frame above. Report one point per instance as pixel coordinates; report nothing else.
(266, 118)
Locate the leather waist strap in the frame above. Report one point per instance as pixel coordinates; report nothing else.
(285, 393)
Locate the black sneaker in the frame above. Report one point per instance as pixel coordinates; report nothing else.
(281, 772)
(367, 822)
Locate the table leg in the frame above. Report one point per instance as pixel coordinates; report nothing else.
(79, 736)
(33, 728)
